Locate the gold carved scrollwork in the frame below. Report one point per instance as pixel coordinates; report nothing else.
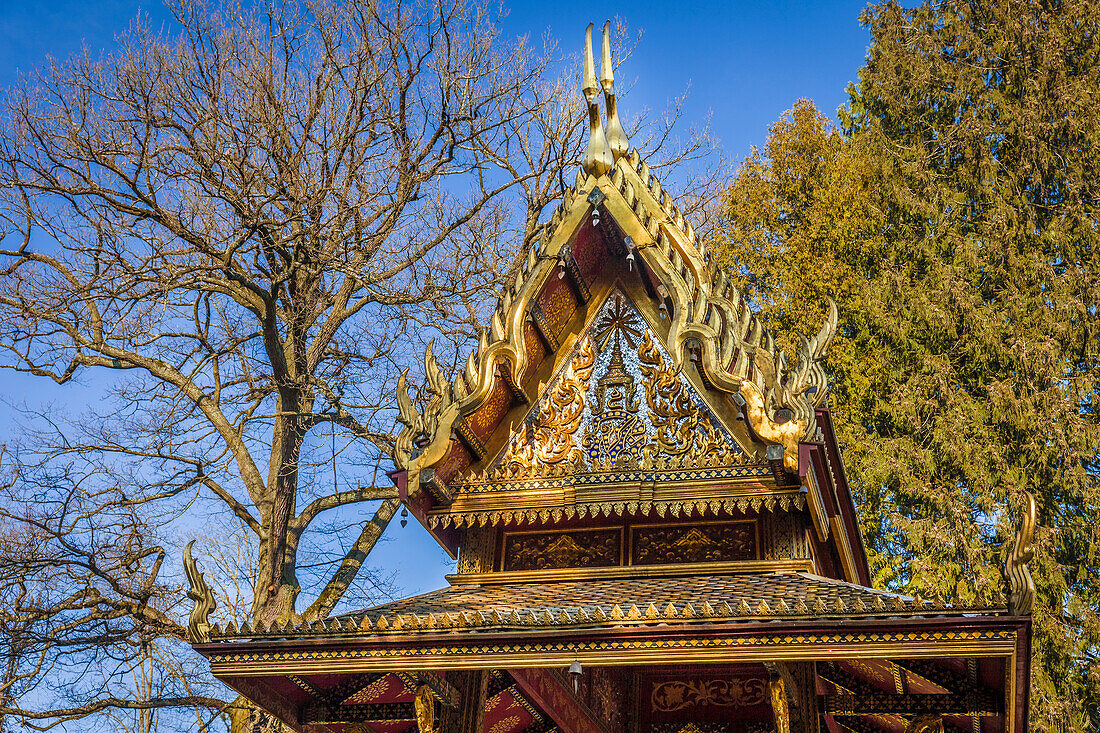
(739, 693)
(424, 706)
(681, 427)
(550, 438)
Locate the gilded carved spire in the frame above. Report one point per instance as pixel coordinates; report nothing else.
(616, 136)
(597, 158)
(1021, 587)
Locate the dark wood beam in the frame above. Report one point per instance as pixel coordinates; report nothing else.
(374, 712)
(832, 672)
(882, 703)
(348, 687)
(550, 693)
(469, 715)
(932, 672)
(441, 689)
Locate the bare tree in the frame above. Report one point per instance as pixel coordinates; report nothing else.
(245, 218)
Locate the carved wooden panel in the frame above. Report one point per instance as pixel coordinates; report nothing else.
(683, 543)
(476, 552)
(784, 536)
(731, 700)
(581, 549)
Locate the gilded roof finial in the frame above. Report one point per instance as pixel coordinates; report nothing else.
(1021, 587)
(616, 136)
(597, 158)
(198, 626)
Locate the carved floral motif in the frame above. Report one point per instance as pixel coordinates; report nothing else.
(736, 692)
(595, 548)
(594, 418)
(681, 427)
(550, 438)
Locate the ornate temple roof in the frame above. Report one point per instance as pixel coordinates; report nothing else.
(638, 483)
(617, 216)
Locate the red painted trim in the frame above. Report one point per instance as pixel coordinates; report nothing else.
(1023, 677)
(544, 689)
(838, 480)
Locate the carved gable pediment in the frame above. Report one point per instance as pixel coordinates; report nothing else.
(618, 403)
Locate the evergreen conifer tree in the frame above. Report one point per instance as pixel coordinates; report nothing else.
(956, 219)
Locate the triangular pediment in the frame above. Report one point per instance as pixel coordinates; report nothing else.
(618, 403)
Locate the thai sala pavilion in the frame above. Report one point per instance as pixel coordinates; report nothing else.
(651, 520)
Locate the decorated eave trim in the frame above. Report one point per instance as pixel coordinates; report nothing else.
(599, 616)
(793, 501)
(709, 317)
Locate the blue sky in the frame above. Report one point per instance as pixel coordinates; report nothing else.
(745, 63)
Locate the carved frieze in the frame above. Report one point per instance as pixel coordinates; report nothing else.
(541, 550)
(666, 544)
(733, 692)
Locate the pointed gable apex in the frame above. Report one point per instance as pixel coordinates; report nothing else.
(603, 223)
(616, 214)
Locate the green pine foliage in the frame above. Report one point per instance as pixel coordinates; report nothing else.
(955, 217)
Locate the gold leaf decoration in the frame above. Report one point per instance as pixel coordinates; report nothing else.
(550, 438)
(682, 429)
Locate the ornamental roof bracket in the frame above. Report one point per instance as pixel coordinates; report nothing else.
(598, 158)
(198, 626)
(1021, 587)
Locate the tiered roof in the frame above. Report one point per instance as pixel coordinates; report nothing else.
(635, 476)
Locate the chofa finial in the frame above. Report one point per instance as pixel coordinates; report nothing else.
(597, 157)
(1021, 587)
(616, 136)
(198, 626)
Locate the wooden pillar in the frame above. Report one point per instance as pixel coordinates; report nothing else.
(468, 715)
(793, 694)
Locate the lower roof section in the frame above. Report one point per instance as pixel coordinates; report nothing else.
(840, 650)
(617, 602)
(639, 623)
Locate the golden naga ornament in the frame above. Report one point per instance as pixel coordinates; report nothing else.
(1021, 586)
